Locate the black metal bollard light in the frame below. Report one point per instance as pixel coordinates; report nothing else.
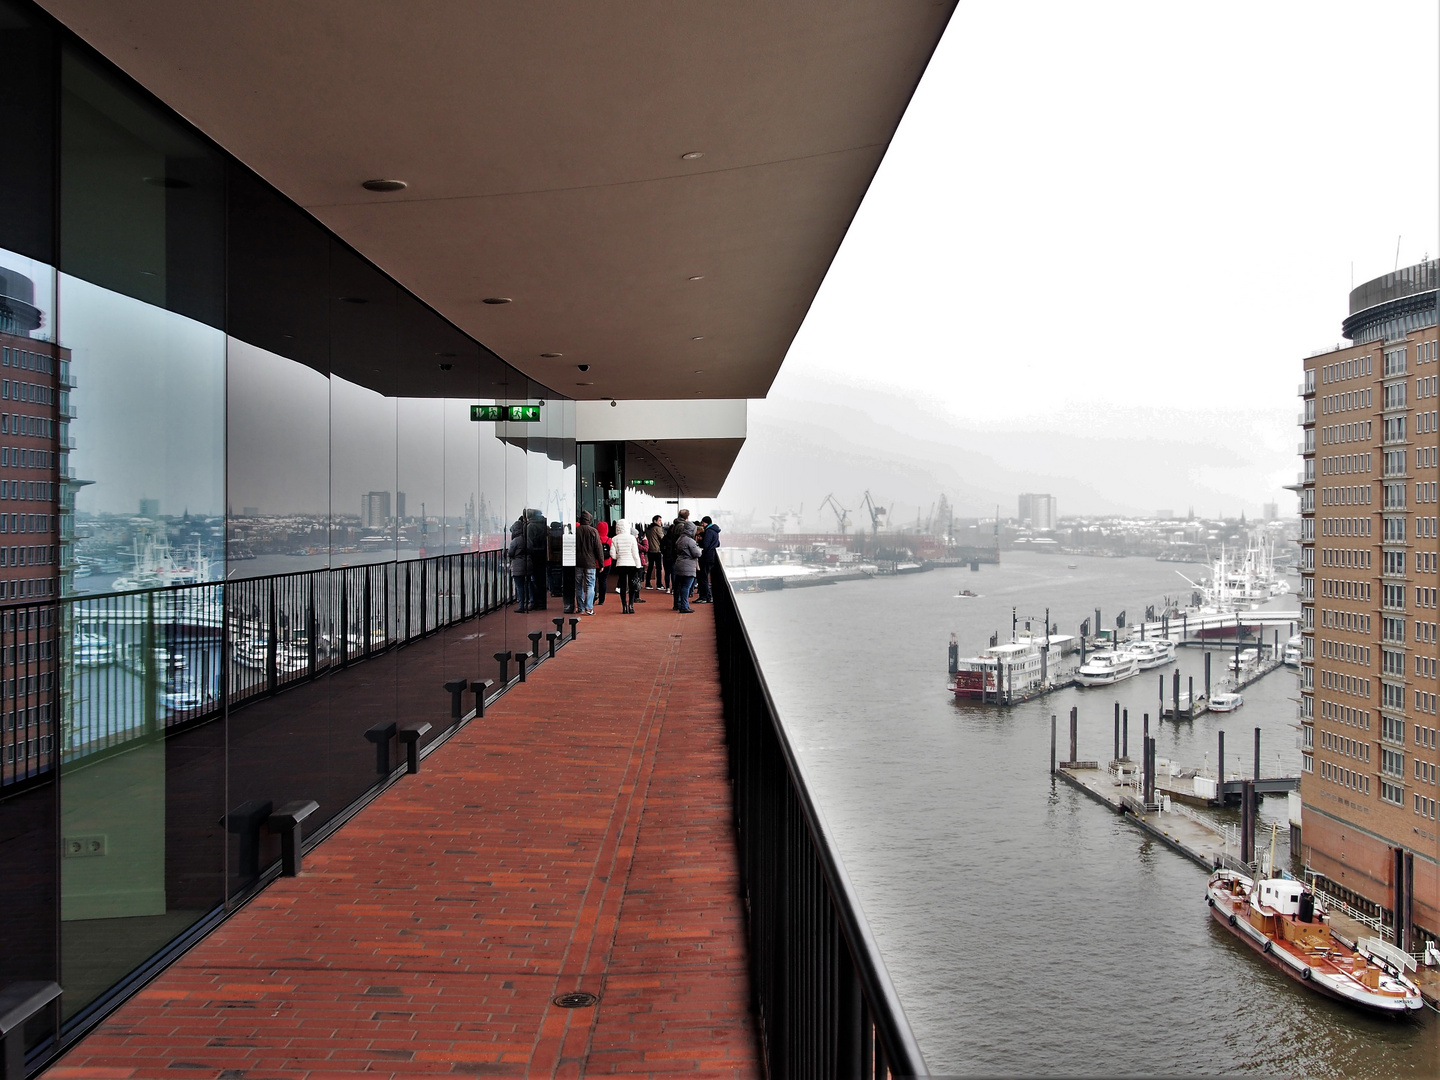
(504, 658)
(520, 659)
(411, 735)
(286, 823)
(552, 637)
(478, 687)
(380, 735)
(559, 629)
(535, 636)
(455, 688)
(574, 629)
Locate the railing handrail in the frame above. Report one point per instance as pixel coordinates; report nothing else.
(77, 597)
(901, 1047)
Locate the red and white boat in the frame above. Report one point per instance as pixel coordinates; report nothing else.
(1280, 919)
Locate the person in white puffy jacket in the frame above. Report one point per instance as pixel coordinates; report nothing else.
(625, 559)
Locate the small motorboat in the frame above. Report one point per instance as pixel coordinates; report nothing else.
(1226, 702)
(967, 593)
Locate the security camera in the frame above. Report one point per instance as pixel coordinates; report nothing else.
(446, 367)
(583, 367)
(612, 404)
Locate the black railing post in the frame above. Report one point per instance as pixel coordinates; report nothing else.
(344, 618)
(272, 643)
(310, 628)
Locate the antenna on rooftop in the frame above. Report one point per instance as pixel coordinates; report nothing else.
(1397, 253)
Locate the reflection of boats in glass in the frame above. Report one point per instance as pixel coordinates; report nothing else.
(182, 696)
(1105, 668)
(255, 653)
(92, 650)
(166, 662)
(156, 568)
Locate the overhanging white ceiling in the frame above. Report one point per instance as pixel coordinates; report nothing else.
(542, 144)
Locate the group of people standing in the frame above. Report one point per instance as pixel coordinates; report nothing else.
(678, 558)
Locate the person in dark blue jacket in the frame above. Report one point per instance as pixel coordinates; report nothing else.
(709, 552)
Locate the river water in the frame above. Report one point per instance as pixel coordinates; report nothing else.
(1028, 930)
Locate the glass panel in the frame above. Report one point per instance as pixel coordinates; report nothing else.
(140, 298)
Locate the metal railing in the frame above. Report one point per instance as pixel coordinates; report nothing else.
(94, 672)
(824, 999)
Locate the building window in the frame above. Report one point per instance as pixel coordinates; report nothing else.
(1392, 793)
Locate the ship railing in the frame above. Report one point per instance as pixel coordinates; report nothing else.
(1335, 903)
(94, 672)
(824, 998)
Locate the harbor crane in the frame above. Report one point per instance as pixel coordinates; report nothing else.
(877, 514)
(842, 516)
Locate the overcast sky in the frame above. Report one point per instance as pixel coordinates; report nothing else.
(1131, 219)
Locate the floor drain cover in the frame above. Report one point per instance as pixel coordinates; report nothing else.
(578, 1000)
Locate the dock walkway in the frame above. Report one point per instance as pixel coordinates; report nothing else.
(578, 838)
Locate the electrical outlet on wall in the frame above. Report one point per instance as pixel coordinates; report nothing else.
(84, 845)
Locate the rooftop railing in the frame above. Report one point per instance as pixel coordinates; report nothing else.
(823, 997)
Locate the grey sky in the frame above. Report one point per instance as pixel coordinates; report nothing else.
(1131, 219)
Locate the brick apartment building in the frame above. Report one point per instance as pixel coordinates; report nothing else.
(1369, 696)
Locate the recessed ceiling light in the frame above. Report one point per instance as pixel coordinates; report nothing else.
(692, 155)
(699, 371)
(496, 300)
(698, 277)
(551, 355)
(446, 367)
(384, 185)
(698, 337)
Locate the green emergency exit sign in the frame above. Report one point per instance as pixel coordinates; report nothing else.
(514, 414)
(643, 483)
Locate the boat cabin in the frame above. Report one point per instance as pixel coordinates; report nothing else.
(1282, 896)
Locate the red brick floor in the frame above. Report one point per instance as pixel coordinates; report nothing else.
(578, 838)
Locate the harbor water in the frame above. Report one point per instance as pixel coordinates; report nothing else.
(1028, 930)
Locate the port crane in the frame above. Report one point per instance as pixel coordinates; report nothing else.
(877, 514)
(842, 516)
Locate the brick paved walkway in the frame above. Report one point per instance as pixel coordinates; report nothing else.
(578, 838)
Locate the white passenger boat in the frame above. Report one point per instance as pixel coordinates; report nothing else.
(1247, 658)
(1226, 702)
(1291, 656)
(1106, 668)
(1153, 652)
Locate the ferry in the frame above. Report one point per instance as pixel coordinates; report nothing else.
(1015, 669)
(1247, 658)
(1225, 702)
(1284, 922)
(1153, 652)
(1107, 668)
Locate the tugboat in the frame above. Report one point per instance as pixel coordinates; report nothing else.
(1281, 920)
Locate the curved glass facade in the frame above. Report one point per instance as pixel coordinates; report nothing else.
(245, 517)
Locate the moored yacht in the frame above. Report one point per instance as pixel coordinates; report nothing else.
(1291, 656)
(1105, 668)
(1153, 652)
